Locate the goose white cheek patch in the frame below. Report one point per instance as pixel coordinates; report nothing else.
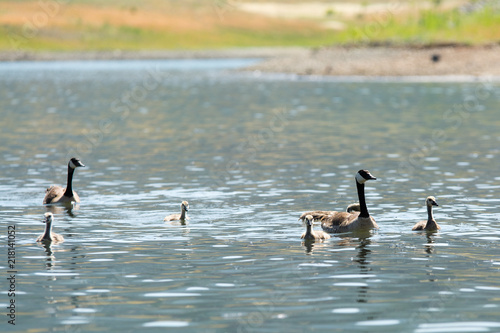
(360, 179)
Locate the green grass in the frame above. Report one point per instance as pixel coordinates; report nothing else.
(428, 27)
(109, 37)
(425, 27)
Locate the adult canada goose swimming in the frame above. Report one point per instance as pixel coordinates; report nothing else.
(48, 235)
(310, 234)
(343, 221)
(319, 214)
(179, 217)
(57, 194)
(430, 224)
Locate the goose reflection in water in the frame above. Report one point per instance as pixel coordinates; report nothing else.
(59, 210)
(51, 259)
(362, 243)
(310, 245)
(429, 247)
(364, 266)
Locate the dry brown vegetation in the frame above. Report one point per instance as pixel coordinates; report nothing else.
(211, 24)
(149, 24)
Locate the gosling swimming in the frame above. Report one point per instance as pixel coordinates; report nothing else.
(48, 235)
(319, 214)
(310, 234)
(354, 207)
(179, 217)
(430, 224)
(56, 194)
(356, 221)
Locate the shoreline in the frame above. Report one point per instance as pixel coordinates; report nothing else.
(336, 61)
(253, 52)
(390, 61)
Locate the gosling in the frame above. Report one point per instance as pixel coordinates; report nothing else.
(310, 234)
(430, 224)
(48, 235)
(320, 214)
(179, 217)
(354, 207)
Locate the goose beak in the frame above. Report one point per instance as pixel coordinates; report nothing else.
(434, 203)
(75, 163)
(366, 174)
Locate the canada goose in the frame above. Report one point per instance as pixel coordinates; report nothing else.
(343, 221)
(182, 216)
(430, 224)
(48, 235)
(56, 194)
(319, 214)
(310, 234)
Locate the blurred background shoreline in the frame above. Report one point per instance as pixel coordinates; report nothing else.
(321, 38)
(478, 61)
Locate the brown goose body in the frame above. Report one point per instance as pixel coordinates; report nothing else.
(48, 235)
(179, 217)
(310, 234)
(57, 194)
(356, 221)
(430, 224)
(318, 215)
(345, 222)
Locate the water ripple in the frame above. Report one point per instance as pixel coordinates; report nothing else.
(166, 323)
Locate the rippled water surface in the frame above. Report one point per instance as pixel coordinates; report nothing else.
(249, 152)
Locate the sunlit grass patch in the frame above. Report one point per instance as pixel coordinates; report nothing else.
(153, 25)
(428, 26)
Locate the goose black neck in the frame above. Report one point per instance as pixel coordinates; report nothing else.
(362, 201)
(69, 185)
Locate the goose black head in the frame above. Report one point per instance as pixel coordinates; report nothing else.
(75, 163)
(363, 175)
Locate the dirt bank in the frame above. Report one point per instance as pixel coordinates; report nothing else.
(389, 61)
(335, 61)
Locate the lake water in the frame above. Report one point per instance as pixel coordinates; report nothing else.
(250, 152)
